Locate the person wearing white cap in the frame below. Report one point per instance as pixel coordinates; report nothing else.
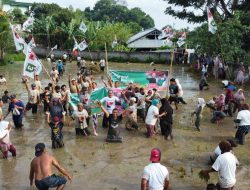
(155, 176)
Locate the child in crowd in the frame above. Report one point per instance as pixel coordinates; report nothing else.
(56, 126)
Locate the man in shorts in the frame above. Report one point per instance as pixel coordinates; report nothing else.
(41, 170)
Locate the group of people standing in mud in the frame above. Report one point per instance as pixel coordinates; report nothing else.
(137, 105)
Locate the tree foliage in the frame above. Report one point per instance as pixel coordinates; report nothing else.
(195, 10)
(229, 39)
(109, 10)
(5, 35)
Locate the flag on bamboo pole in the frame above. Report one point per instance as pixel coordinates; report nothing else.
(182, 39)
(75, 44)
(211, 23)
(31, 64)
(18, 40)
(82, 46)
(114, 43)
(30, 45)
(53, 48)
(83, 27)
(29, 22)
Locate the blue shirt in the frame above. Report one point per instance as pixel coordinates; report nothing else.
(19, 103)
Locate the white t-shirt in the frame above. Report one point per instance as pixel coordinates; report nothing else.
(141, 99)
(33, 94)
(64, 56)
(2, 80)
(102, 63)
(38, 85)
(85, 84)
(225, 164)
(5, 131)
(54, 74)
(66, 93)
(110, 103)
(85, 99)
(156, 175)
(150, 118)
(244, 116)
(79, 114)
(57, 95)
(78, 59)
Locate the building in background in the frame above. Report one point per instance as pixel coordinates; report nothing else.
(8, 5)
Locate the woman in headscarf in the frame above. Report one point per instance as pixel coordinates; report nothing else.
(198, 111)
(219, 114)
(220, 103)
(56, 108)
(166, 121)
(180, 92)
(229, 100)
(152, 116)
(239, 98)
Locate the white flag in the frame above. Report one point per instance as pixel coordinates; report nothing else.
(166, 33)
(55, 47)
(29, 22)
(31, 64)
(18, 40)
(83, 45)
(182, 40)
(30, 45)
(83, 27)
(76, 44)
(211, 23)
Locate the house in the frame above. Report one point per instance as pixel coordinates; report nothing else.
(8, 5)
(145, 40)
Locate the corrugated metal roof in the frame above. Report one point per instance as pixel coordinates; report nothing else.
(140, 35)
(145, 43)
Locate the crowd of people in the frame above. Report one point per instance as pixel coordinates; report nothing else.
(136, 105)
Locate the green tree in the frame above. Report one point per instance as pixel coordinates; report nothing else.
(17, 16)
(5, 35)
(195, 10)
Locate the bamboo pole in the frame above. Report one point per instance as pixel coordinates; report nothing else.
(106, 57)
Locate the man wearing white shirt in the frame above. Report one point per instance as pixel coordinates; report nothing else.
(155, 176)
(109, 104)
(225, 165)
(243, 120)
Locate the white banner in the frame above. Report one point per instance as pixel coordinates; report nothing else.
(31, 64)
(211, 23)
(18, 40)
(83, 27)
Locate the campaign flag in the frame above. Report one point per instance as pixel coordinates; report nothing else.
(83, 27)
(29, 22)
(31, 64)
(30, 45)
(114, 43)
(53, 48)
(94, 96)
(166, 33)
(82, 46)
(182, 39)
(18, 40)
(211, 23)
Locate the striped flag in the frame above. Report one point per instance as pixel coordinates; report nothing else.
(211, 23)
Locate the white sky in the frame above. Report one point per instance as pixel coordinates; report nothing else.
(155, 8)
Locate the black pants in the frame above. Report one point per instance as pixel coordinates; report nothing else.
(31, 106)
(166, 129)
(241, 133)
(84, 132)
(105, 121)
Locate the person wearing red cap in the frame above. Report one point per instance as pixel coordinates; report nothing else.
(155, 176)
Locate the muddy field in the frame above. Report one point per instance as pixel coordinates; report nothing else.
(95, 164)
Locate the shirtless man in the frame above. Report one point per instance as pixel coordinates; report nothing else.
(40, 169)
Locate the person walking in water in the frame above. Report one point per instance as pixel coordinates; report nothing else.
(41, 170)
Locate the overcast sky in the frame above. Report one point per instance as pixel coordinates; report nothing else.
(155, 8)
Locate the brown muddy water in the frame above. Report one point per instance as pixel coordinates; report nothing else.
(95, 164)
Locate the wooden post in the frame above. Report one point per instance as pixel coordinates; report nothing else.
(106, 57)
